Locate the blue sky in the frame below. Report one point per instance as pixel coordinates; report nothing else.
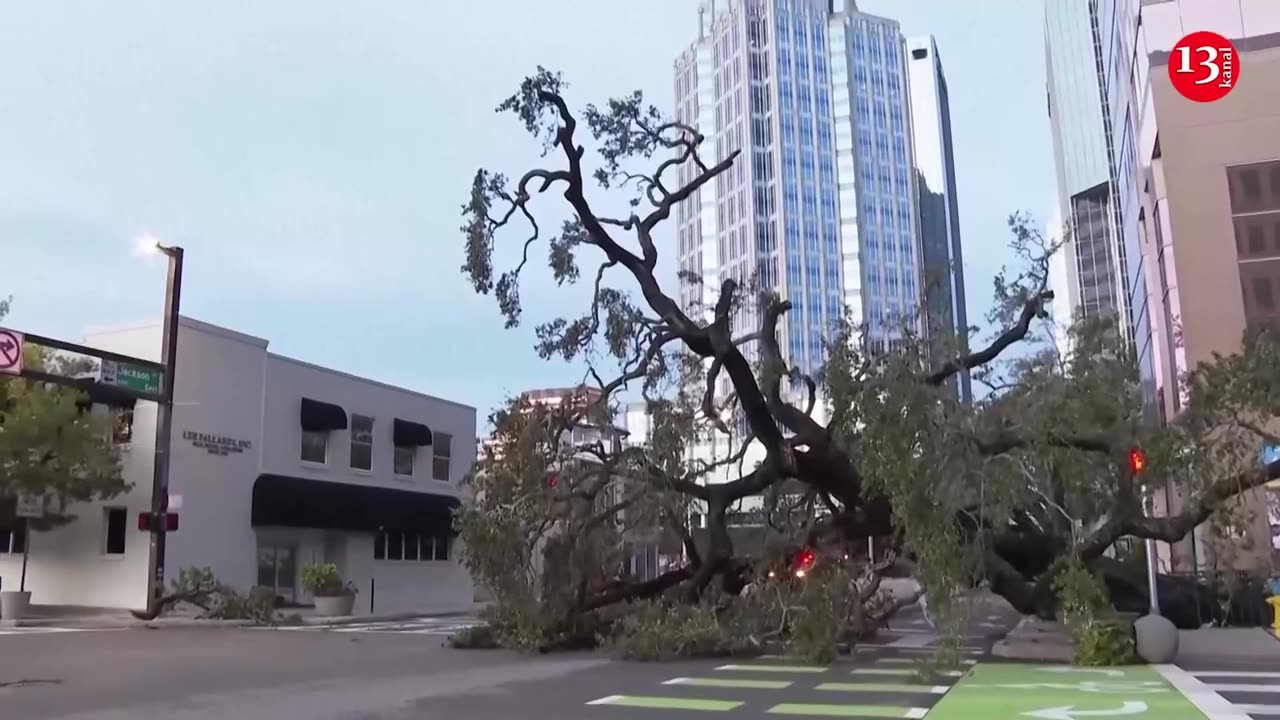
(313, 163)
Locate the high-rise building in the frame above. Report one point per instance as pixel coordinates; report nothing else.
(1079, 125)
(876, 162)
(821, 207)
(1199, 192)
(935, 169)
(758, 81)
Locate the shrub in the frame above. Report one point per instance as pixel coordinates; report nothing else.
(258, 605)
(1102, 643)
(199, 587)
(658, 630)
(323, 580)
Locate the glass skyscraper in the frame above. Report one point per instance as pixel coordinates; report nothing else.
(1082, 144)
(943, 257)
(821, 206)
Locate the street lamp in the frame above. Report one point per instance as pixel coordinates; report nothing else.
(1137, 464)
(164, 414)
(1155, 637)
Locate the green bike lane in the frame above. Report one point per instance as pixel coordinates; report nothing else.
(887, 687)
(996, 691)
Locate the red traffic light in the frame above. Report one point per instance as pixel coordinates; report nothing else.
(1137, 461)
(553, 480)
(804, 561)
(145, 520)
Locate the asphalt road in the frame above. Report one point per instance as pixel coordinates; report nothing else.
(246, 674)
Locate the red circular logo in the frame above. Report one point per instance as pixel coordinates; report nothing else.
(1204, 66)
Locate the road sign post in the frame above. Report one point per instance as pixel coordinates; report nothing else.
(10, 352)
(30, 507)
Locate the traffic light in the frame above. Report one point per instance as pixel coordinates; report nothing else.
(553, 480)
(1137, 461)
(804, 561)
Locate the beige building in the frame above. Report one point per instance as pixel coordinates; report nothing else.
(1209, 182)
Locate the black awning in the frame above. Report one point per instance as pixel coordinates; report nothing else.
(299, 502)
(409, 434)
(322, 416)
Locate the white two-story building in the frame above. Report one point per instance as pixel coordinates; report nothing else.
(276, 463)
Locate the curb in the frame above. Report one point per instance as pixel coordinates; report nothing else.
(387, 617)
(163, 623)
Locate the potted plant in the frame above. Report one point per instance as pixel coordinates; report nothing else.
(333, 597)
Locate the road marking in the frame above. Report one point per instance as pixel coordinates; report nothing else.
(880, 711)
(1234, 673)
(963, 661)
(730, 683)
(1069, 712)
(775, 668)
(667, 703)
(1243, 687)
(903, 671)
(1213, 705)
(991, 690)
(1258, 709)
(43, 630)
(876, 647)
(884, 688)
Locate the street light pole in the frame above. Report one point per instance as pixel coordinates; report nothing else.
(164, 421)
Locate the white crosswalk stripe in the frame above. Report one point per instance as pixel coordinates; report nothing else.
(1237, 694)
(418, 626)
(48, 630)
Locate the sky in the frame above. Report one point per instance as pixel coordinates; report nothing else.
(313, 164)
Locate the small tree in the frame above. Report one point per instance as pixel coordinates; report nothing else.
(49, 446)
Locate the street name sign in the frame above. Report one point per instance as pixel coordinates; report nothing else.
(130, 377)
(30, 506)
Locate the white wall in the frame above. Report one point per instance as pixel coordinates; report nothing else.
(288, 381)
(228, 385)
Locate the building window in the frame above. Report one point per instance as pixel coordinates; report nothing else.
(441, 453)
(402, 460)
(13, 538)
(411, 546)
(361, 442)
(1256, 215)
(315, 446)
(116, 522)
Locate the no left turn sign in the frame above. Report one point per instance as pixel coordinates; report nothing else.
(10, 352)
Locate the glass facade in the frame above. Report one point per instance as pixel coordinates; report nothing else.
(1114, 24)
(941, 253)
(1082, 144)
(790, 84)
(887, 212)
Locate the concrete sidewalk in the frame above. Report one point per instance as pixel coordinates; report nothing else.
(105, 618)
(1047, 641)
(1228, 645)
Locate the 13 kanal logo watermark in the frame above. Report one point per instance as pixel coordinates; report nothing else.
(1204, 66)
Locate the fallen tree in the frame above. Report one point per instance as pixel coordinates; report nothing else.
(877, 444)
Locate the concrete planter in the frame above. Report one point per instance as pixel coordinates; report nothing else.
(335, 605)
(13, 605)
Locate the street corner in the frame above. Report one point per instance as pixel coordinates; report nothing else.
(996, 691)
